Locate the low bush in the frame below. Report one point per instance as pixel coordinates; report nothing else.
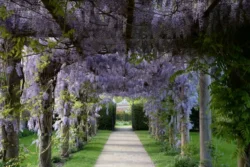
(185, 161)
(169, 150)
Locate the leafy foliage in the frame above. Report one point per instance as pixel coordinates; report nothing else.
(181, 161)
(230, 91)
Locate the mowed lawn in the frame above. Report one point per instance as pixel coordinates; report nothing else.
(86, 157)
(225, 150)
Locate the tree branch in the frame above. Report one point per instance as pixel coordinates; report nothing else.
(58, 14)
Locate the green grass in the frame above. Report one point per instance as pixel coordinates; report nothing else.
(161, 160)
(86, 157)
(154, 150)
(225, 149)
(30, 151)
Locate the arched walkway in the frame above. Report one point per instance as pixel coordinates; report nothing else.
(124, 149)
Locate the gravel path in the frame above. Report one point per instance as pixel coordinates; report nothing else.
(124, 149)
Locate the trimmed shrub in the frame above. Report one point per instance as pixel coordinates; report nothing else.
(107, 117)
(139, 120)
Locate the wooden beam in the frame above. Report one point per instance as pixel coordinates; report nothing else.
(210, 8)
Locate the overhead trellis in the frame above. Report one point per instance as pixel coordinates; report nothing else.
(99, 26)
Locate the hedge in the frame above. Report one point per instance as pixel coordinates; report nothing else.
(107, 121)
(123, 116)
(194, 119)
(139, 120)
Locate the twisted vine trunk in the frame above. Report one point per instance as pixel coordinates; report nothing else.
(184, 126)
(10, 141)
(45, 123)
(156, 130)
(45, 140)
(149, 125)
(86, 131)
(65, 126)
(79, 129)
(86, 126)
(10, 125)
(184, 131)
(241, 161)
(173, 131)
(244, 160)
(205, 121)
(93, 125)
(153, 129)
(64, 140)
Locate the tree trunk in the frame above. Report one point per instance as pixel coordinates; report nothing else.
(157, 129)
(184, 125)
(86, 131)
(10, 125)
(153, 129)
(205, 121)
(149, 125)
(244, 160)
(10, 141)
(65, 126)
(64, 140)
(47, 83)
(96, 125)
(45, 127)
(92, 126)
(45, 121)
(241, 161)
(79, 134)
(172, 132)
(184, 131)
(85, 126)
